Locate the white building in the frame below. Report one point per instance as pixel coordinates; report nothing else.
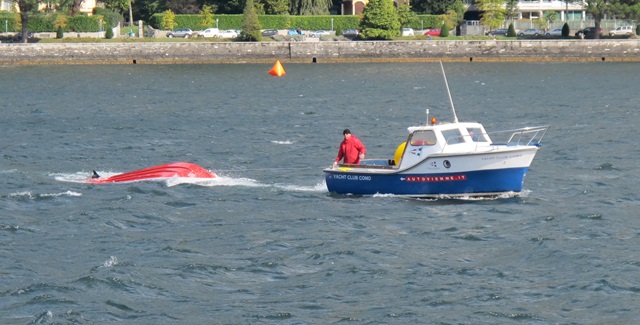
(86, 7)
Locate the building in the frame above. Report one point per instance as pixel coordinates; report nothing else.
(86, 7)
(355, 7)
(527, 9)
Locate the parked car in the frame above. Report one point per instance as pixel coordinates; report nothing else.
(498, 32)
(293, 32)
(530, 32)
(229, 33)
(182, 32)
(350, 32)
(18, 36)
(589, 32)
(269, 32)
(407, 32)
(622, 30)
(209, 32)
(319, 33)
(432, 32)
(555, 32)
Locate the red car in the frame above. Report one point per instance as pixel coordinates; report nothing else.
(433, 32)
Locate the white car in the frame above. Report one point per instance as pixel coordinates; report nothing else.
(555, 32)
(622, 30)
(319, 33)
(209, 32)
(408, 32)
(227, 34)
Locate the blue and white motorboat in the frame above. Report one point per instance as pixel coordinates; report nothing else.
(455, 159)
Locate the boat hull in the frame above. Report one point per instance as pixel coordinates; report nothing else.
(176, 169)
(470, 183)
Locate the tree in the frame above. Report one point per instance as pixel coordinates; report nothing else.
(550, 17)
(310, 7)
(206, 16)
(565, 30)
(276, 7)
(27, 8)
(168, 20)
(406, 16)
(251, 25)
(444, 30)
(511, 9)
(183, 6)
(597, 9)
(627, 10)
(379, 20)
(492, 13)
(433, 7)
(512, 31)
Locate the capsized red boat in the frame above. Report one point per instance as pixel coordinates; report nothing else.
(176, 169)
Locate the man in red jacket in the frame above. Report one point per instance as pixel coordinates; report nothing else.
(351, 148)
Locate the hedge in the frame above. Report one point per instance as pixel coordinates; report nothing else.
(286, 22)
(47, 23)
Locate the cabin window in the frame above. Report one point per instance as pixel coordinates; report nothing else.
(476, 135)
(452, 136)
(423, 138)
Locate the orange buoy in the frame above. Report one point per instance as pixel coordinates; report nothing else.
(277, 70)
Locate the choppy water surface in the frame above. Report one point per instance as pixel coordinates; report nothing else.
(266, 243)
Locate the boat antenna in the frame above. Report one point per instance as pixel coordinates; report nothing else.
(427, 117)
(446, 83)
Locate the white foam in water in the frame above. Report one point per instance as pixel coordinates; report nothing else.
(111, 262)
(282, 142)
(319, 187)
(79, 177)
(30, 195)
(67, 193)
(217, 181)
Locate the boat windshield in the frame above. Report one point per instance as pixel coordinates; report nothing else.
(423, 138)
(452, 136)
(476, 135)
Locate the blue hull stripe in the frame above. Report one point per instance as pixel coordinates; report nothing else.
(485, 181)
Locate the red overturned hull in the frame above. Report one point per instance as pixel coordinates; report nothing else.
(177, 169)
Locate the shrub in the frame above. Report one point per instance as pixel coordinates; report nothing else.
(444, 30)
(512, 31)
(565, 30)
(59, 33)
(109, 34)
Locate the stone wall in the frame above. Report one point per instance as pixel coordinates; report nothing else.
(321, 52)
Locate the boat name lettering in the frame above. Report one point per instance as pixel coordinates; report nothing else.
(352, 177)
(501, 157)
(415, 179)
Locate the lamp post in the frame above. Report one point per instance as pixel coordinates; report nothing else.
(331, 24)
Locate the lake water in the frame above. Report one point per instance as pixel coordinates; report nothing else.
(266, 243)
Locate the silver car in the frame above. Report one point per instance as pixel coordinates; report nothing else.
(530, 32)
(182, 32)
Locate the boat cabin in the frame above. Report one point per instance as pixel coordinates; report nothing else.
(441, 138)
(431, 139)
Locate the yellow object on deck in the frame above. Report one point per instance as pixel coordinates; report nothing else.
(397, 157)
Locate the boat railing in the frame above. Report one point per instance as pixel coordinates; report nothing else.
(519, 137)
(516, 137)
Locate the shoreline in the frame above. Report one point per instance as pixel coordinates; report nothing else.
(623, 50)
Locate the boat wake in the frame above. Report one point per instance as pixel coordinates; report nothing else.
(220, 180)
